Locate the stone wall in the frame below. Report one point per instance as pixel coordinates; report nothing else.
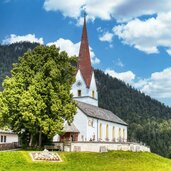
(103, 146)
(8, 146)
(99, 147)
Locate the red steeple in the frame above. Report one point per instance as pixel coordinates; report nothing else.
(84, 63)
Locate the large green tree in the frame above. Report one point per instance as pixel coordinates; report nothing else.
(36, 99)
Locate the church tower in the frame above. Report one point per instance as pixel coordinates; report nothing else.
(84, 89)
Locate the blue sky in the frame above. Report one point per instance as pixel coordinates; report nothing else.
(129, 39)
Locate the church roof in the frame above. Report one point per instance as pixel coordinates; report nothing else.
(99, 113)
(70, 128)
(84, 62)
(6, 132)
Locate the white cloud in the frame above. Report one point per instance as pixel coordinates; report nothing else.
(67, 7)
(122, 10)
(127, 76)
(66, 45)
(73, 49)
(118, 62)
(16, 38)
(106, 37)
(147, 35)
(99, 29)
(158, 85)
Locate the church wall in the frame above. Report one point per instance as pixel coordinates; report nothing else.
(110, 131)
(92, 129)
(82, 87)
(80, 121)
(93, 87)
(86, 94)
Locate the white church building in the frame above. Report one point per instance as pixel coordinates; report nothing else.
(91, 123)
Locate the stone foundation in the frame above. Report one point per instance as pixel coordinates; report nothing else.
(8, 146)
(103, 146)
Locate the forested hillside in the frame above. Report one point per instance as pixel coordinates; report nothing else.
(9, 54)
(149, 120)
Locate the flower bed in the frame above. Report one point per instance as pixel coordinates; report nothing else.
(45, 156)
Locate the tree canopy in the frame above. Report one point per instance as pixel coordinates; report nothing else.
(36, 98)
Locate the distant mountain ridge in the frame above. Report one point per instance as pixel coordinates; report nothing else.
(149, 120)
(9, 54)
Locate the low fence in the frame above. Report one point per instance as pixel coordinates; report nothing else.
(8, 146)
(102, 146)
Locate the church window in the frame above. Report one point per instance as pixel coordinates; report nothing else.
(5, 138)
(119, 134)
(100, 131)
(123, 134)
(113, 133)
(93, 93)
(107, 131)
(90, 122)
(79, 93)
(1, 138)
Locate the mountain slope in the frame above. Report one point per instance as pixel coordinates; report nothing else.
(9, 54)
(149, 120)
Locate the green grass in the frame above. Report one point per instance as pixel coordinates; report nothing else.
(72, 161)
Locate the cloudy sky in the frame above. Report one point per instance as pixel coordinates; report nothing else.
(129, 39)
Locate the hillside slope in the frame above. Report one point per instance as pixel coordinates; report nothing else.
(80, 161)
(149, 120)
(9, 54)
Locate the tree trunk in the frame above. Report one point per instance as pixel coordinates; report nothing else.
(40, 138)
(31, 140)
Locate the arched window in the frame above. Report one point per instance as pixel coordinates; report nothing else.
(79, 93)
(113, 133)
(123, 134)
(107, 131)
(119, 134)
(93, 93)
(100, 130)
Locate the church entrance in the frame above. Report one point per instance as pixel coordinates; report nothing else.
(69, 136)
(71, 133)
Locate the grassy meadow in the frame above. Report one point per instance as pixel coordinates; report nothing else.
(85, 161)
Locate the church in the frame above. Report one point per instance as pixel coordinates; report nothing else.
(91, 123)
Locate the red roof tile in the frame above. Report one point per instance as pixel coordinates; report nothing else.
(84, 62)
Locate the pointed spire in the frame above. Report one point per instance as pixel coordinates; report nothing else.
(84, 62)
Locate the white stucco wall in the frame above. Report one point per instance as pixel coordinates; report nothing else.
(93, 87)
(10, 138)
(92, 129)
(91, 132)
(95, 130)
(86, 93)
(80, 121)
(82, 87)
